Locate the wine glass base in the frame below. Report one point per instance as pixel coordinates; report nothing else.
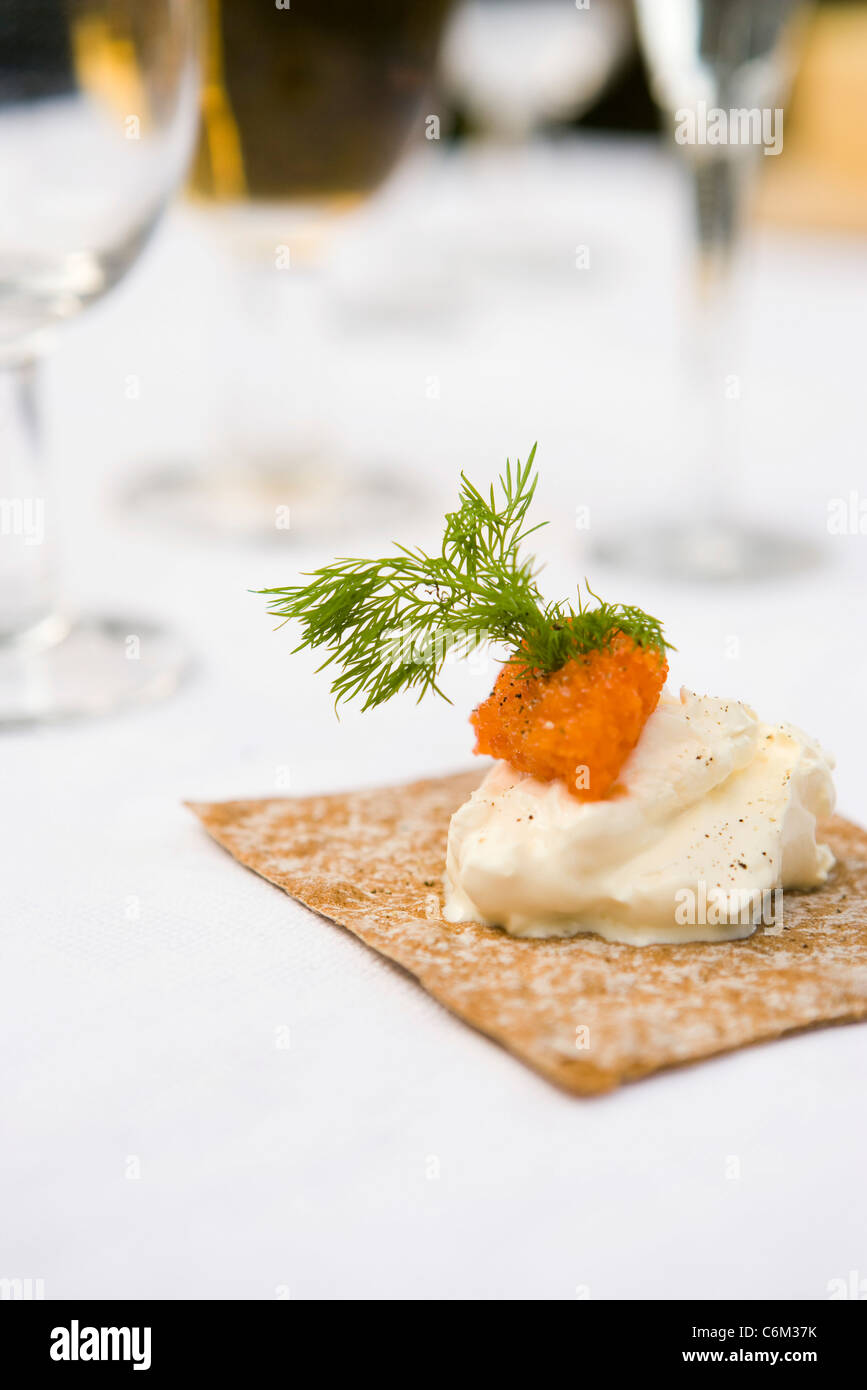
(301, 499)
(93, 667)
(713, 552)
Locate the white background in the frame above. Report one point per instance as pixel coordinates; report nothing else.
(148, 978)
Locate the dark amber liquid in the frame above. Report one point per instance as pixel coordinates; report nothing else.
(315, 101)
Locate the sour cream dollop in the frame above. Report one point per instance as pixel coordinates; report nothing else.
(714, 811)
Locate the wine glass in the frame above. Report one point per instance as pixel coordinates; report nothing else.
(515, 64)
(719, 69)
(514, 67)
(98, 109)
(305, 111)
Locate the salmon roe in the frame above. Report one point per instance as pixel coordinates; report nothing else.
(579, 723)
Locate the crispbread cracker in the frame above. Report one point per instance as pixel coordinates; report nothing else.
(373, 861)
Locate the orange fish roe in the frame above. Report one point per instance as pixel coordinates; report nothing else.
(579, 723)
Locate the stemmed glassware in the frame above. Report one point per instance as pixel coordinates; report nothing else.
(513, 68)
(515, 64)
(98, 109)
(720, 70)
(305, 111)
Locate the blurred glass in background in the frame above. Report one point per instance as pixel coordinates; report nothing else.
(521, 72)
(315, 106)
(720, 71)
(98, 103)
(305, 111)
(516, 65)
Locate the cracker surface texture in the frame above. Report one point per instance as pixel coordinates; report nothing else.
(586, 1013)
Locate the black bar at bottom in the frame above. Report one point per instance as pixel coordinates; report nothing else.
(157, 1338)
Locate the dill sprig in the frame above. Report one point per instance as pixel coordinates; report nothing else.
(391, 624)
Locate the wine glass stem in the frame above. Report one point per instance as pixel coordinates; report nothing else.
(718, 196)
(26, 569)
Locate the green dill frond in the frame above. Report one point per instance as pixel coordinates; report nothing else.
(392, 624)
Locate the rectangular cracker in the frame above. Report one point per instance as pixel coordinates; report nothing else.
(586, 1013)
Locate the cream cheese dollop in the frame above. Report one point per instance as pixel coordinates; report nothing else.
(714, 810)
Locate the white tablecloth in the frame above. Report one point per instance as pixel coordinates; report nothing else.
(161, 1139)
